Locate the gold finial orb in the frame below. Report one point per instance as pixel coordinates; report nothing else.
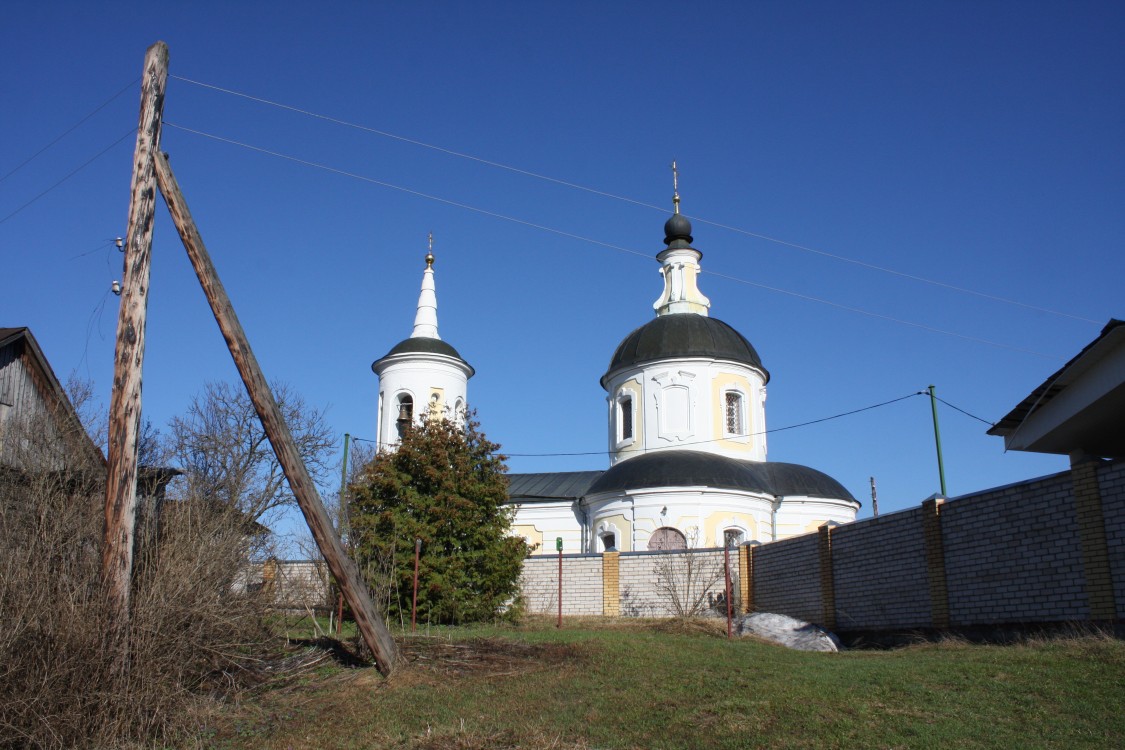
(430, 252)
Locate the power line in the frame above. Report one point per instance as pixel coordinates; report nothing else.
(593, 241)
(73, 172)
(881, 316)
(750, 434)
(69, 130)
(409, 191)
(604, 194)
(967, 414)
(105, 244)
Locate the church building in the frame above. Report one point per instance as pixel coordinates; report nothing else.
(686, 431)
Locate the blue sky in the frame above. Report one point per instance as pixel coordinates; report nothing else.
(976, 145)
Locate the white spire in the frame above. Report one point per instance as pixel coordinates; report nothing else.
(679, 264)
(425, 320)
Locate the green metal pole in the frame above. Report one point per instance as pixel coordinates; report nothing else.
(343, 484)
(937, 441)
(342, 517)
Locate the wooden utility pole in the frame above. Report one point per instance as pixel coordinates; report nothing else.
(129, 352)
(367, 619)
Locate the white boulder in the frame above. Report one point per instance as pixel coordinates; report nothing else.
(788, 631)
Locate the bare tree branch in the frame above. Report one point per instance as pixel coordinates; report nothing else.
(225, 455)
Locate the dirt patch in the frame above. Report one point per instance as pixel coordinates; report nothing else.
(711, 626)
(499, 741)
(486, 657)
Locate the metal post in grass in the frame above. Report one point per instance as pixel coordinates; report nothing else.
(558, 546)
(937, 441)
(341, 526)
(726, 568)
(414, 603)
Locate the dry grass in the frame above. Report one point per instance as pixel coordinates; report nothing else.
(63, 682)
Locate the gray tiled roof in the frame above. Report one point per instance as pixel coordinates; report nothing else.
(685, 468)
(554, 485)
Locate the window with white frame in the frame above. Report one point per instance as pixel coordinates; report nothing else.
(609, 541)
(624, 417)
(733, 537)
(734, 422)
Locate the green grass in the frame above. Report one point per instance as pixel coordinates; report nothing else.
(634, 684)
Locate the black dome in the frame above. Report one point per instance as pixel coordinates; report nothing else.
(423, 345)
(677, 228)
(683, 335)
(684, 468)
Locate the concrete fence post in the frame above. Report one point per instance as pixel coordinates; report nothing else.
(1091, 536)
(746, 575)
(935, 561)
(611, 584)
(827, 576)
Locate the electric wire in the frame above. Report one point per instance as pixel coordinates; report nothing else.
(409, 191)
(881, 316)
(602, 193)
(967, 414)
(749, 434)
(105, 244)
(590, 240)
(73, 172)
(715, 440)
(69, 130)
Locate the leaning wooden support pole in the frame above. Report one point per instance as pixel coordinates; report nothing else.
(367, 618)
(129, 352)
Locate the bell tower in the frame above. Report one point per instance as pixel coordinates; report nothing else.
(421, 377)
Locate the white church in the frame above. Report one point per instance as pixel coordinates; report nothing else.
(686, 431)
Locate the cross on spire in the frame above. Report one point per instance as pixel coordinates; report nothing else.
(675, 188)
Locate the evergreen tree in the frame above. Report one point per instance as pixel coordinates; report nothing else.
(445, 485)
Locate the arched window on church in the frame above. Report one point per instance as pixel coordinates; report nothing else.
(667, 538)
(405, 412)
(734, 423)
(733, 537)
(624, 418)
(609, 541)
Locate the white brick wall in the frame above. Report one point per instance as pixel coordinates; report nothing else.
(582, 584)
(642, 573)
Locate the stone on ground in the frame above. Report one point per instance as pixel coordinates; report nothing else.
(788, 631)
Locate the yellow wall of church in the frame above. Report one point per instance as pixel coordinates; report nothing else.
(633, 387)
(624, 530)
(725, 382)
(533, 535)
(715, 524)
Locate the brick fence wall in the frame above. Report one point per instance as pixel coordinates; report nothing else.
(892, 545)
(786, 578)
(1047, 550)
(582, 584)
(1112, 482)
(1014, 555)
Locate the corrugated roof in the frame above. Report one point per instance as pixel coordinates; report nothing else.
(554, 485)
(1048, 389)
(685, 468)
